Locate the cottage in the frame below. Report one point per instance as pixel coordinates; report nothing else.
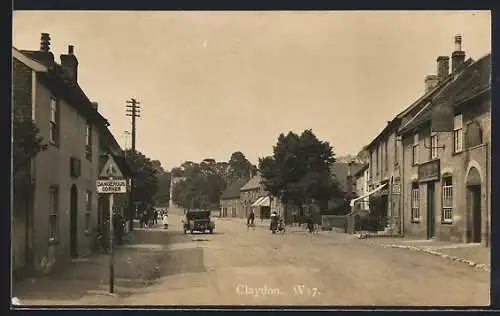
(253, 196)
(62, 198)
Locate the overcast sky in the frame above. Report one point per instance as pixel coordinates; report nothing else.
(211, 83)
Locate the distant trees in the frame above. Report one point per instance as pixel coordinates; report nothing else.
(204, 182)
(146, 174)
(299, 169)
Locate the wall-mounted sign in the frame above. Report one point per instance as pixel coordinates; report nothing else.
(429, 171)
(396, 188)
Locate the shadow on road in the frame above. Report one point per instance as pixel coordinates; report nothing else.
(138, 265)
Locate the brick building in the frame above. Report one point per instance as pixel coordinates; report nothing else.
(59, 219)
(253, 196)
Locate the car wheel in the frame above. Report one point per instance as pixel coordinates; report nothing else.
(211, 231)
(192, 232)
(185, 231)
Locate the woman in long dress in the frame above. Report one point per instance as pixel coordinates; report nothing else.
(165, 221)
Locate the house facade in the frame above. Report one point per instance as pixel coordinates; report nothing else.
(254, 197)
(230, 202)
(431, 163)
(60, 220)
(362, 187)
(448, 173)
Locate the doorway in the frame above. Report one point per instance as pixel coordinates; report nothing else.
(73, 229)
(431, 216)
(474, 193)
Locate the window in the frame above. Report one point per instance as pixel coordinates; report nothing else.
(414, 150)
(88, 141)
(53, 213)
(233, 211)
(88, 209)
(396, 158)
(473, 135)
(377, 160)
(434, 146)
(386, 156)
(457, 134)
(415, 202)
(447, 215)
(53, 123)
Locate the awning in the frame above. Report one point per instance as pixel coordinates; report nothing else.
(265, 201)
(368, 194)
(256, 203)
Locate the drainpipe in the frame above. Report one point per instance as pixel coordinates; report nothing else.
(402, 193)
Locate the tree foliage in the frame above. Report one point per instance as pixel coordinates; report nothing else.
(299, 169)
(27, 143)
(145, 177)
(239, 167)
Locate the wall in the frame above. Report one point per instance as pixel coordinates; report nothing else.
(455, 165)
(329, 222)
(233, 203)
(53, 168)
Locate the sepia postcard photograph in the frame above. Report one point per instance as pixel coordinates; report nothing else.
(251, 158)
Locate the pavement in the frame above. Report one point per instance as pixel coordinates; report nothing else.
(240, 266)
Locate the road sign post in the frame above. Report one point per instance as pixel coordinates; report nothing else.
(111, 185)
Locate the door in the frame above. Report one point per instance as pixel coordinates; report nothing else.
(431, 218)
(475, 210)
(73, 230)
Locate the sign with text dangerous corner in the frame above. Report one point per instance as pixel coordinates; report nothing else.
(111, 186)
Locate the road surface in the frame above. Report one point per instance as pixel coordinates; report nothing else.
(238, 266)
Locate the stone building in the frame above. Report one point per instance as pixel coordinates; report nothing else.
(230, 202)
(55, 220)
(431, 163)
(253, 196)
(447, 176)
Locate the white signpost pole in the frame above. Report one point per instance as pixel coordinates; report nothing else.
(111, 239)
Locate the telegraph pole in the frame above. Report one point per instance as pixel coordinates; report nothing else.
(133, 110)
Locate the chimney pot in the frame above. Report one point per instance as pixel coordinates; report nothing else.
(45, 42)
(443, 67)
(70, 49)
(431, 81)
(458, 56)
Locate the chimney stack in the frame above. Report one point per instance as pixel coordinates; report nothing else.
(431, 81)
(443, 67)
(95, 105)
(69, 63)
(458, 56)
(45, 42)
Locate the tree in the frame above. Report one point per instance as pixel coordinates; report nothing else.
(299, 169)
(145, 176)
(239, 167)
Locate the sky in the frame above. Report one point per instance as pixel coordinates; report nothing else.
(212, 83)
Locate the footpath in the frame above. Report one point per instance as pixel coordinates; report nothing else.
(474, 255)
(85, 281)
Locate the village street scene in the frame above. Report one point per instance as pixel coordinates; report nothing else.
(251, 159)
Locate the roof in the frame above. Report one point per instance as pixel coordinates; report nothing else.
(56, 79)
(472, 79)
(360, 171)
(254, 183)
(339, 172)
(233, 191)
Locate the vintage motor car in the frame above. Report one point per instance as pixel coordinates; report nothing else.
(199, 221)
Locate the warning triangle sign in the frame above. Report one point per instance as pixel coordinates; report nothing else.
(110, 169)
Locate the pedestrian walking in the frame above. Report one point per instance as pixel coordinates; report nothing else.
(165, 221)
(250, 220)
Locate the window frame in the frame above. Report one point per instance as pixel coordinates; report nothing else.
(53, 214)
(88, 140)
(415, 202)
(434, 145)
(414, 150)
(88, 212)
(53, 121)
(386, 154)
(447, 196)
(458, 134)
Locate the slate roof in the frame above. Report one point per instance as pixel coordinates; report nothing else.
(233, 191)
(339, 173)
(253, 183)
(474, 78)
(57, 80)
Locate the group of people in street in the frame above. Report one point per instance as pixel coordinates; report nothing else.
(150, 217)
